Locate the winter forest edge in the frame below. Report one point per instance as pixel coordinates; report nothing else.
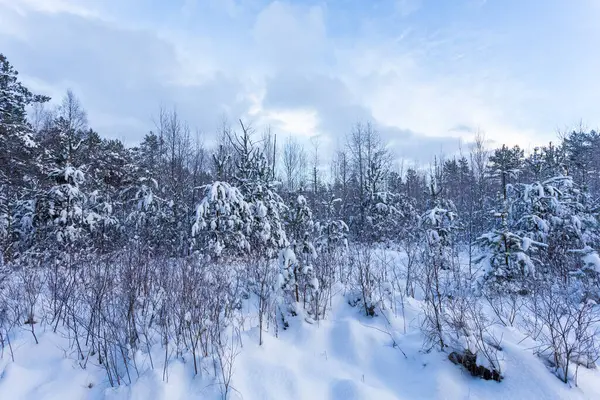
(125, 250)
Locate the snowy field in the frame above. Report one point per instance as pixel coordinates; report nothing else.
(348, 356)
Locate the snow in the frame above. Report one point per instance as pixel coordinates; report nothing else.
(346, 356)
(592, 259)
(525, 243)
(261, 210)
(287, 257)
(314, 282)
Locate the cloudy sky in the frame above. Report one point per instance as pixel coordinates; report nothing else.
(427, 73)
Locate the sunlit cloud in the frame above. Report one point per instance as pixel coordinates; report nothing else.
(428, 76)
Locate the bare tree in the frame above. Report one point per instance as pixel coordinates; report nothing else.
(361, 264)
(369, 160)
(315, 163)
(72, 112)
(269, 149)
(41, 117)
(294, 164)
(223, 157)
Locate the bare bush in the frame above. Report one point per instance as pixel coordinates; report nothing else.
(361, 263)
(569, 331)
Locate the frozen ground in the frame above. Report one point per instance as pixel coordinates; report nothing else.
(345, 357)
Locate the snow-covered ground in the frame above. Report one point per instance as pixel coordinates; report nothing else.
(348, 356)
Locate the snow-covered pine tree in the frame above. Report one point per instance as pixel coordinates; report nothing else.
(143, 213)
(300, 227)
(388, 217)
(223, 222)
(254, 178)
(440, 225)
(331, 231)
(266, 237)
(505, 250)
(557, 213)
(580, 148)
(18, 167)
(267, 232)
(505, 166)
(65, 221)
(104, 226)
(300, 230)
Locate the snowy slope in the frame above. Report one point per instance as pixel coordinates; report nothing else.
(345, 357)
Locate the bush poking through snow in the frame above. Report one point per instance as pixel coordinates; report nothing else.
(469, 361)
(568, 329)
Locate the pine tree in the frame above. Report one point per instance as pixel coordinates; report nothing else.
(300, 230)
(254, 178)
(223, 221)
(557, 213)
(505, 166)
(18, 168)
(508, 253)
(580, 148)
(388, 217)
(504, 247)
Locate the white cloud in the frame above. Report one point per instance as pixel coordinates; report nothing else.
(397, 83)
(280, 63)
(289, 36)
(82, 9)
(297, 122)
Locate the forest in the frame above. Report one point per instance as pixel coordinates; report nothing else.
(153, 251)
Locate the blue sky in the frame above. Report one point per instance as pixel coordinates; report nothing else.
(427, 73)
